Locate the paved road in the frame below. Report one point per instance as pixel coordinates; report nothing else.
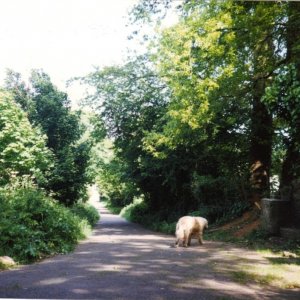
(121, 260)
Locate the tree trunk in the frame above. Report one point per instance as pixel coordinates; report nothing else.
(261, 121)
(260, 146)
(291, 165)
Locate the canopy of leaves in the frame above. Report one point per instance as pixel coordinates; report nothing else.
(197, 118)
(23, 148)
(49, 109)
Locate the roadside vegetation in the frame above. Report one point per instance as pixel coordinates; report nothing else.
(44, 171)
(34, 226)
(206, 122)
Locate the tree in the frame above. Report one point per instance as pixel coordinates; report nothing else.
(23, 150)
(52, 113)
(230, 71)
(130, 100)
(50, 110)
(282, 96)
(257, 45)
(208, 115)
(222, 55)
(21, 92)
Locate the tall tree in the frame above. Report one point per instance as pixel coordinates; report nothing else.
(131, 101)
(256, 42)
(15, 84)
(52, 112)
(206, 115)
(229, 47)
(49, 108)
(23, 150)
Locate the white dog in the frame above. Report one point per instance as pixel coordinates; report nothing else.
(190, 227)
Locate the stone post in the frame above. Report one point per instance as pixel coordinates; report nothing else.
(274, 214)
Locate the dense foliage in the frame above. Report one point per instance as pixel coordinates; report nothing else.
(205, 119)
(49, 108)
(34, 226)
(42, 157)
(134, 101)
(23, 148)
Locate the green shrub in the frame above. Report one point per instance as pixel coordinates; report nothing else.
(33, 225)
(210, 212)
(219, 214)
(86, 212)
(164, 227)
(211, 190)
(135, 211)
(138, 212)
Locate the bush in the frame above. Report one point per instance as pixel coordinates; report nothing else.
(86, 212)
(221, 214)
(138, 212)
(211, 190)
(164, 227)
(135, 211)
(210, 212)
(33, 225)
